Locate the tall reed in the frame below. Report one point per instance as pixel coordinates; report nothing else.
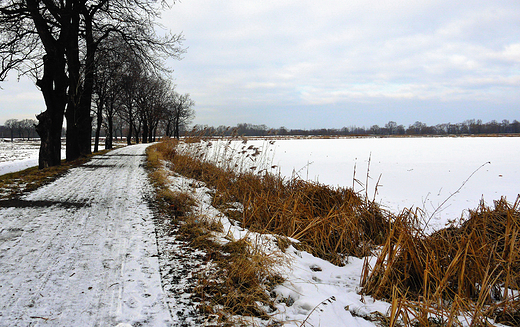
(474, 266)
(330, 222)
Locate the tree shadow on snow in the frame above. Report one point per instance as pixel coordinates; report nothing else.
(20, 203)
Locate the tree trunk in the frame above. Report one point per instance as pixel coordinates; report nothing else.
(85, 123)
(53, 86)
(176, 128)
(49, 130)
(79, 122)
(98, 127)
(168, 124)
(145, 131)
(108, 137)
(129, 135)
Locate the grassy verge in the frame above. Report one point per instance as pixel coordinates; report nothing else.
(241, 274)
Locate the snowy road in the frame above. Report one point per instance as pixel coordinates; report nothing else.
(82, 250)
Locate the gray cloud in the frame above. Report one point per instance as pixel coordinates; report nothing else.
(304, 56)
(336, 63)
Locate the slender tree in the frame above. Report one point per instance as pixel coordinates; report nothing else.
(181, 113)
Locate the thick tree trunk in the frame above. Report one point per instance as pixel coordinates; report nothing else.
(79, 122)
(49, 129)
(79, 131)
(53, 86)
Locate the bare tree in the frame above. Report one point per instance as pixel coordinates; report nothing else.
(28, 126)
(12, 125)
(57, 41)
(180, 113)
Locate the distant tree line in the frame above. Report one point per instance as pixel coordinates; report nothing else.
(25, 128)
(468, 127)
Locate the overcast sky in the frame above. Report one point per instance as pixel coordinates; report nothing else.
(335, 63)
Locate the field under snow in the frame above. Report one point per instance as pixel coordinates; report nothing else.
(443, 176)
(19, 155)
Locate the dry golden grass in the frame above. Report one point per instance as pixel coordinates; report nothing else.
(474, 267)
(242, 284)
(237, 283)
(332, 223)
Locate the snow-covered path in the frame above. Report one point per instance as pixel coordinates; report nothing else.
(82, 250)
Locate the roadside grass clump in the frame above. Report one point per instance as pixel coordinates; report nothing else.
(241, 275)
(472, 268)
(243, 282)
(331, 223)
(233, 282)
(13, 185)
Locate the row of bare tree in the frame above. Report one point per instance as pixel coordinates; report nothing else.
(21, 128)
(57, 43)
(468, 127)
(127, 89)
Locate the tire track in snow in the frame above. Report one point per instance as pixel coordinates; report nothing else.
(89, 258)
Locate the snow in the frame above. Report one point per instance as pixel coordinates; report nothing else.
(82, 250)
(322, 294)
(89, 236)
(19, 155)
(315, 291)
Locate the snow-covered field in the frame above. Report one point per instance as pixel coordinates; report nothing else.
(450, 173)
(19, 155)
(443, 176)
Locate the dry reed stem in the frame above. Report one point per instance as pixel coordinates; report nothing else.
(333, 222)
(241, 274)
(474, 265)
